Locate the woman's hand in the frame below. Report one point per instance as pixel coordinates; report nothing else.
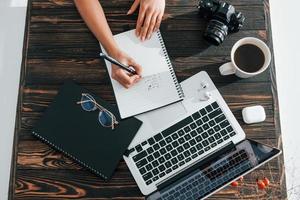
(150, 16)
(120, 75)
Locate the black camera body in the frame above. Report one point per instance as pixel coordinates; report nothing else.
(223, 19)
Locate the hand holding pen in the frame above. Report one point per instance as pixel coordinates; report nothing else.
(124, 69)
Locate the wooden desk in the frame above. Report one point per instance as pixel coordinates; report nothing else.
(58, 46)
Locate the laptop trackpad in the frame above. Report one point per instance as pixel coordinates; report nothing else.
(154, 121)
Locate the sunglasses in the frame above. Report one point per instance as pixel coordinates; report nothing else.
(105, 117)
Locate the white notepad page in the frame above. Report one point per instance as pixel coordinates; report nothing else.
(158, 87)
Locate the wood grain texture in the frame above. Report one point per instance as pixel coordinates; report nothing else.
(59, 46)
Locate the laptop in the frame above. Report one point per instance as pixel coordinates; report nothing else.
(193, 148)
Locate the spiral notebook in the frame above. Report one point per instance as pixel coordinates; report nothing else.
(78, 134)
(159, 86)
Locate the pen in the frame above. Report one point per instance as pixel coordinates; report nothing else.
(112, 60)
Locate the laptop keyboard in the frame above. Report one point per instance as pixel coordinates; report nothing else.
(211, 178)
(182, 143)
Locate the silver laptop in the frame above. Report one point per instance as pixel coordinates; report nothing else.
(178, 147)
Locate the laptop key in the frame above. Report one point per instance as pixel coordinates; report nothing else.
(181, 163)
(162, 143)
(205, 143)
(150, 158)
(161, 168)
(217, 136)
(196, 115)
(181, 140)
(175, 167)
(212, 123)
(148, 167)
(149, 182)
(203, 111)
(224, 123)
(198, 138)
(211, 139)
(158, 137)
(232, 134)
(156, 154)
(199, 130)
(155, 178)
(180, 157)
(193, 133)
(144, 143)
(141, 163)
(199, 146)
(139, 156)
(226, 137)
(161, 160)
(215, 105)
(174, 152)
(205, 126)
(186, 145)
(156, 147)
(210, 131)
(155, 163)
(169, 147)
(174, 161)
(193, 150)
(199, 122)
(147, 176)
(187, 129)
(217, 128)
(174, 136)
(193, 125)
(151, 141)
(215, 113)
(180, 149)
(168, 156)
(168, 164)
(180, 132)
(204, 135)
(142, 170)
(200, 152)
(138, 148)
(186, 153)
(229, 129)
(169, 139)
(205, 119)
(188, 160)
(209, 108)
(162, 174)
(162, 151)
(155, 171)
(207, 148)
(175, 144)
(194, 155)
(220, 118)
(220, 141)
(223, 132)
(192, 142)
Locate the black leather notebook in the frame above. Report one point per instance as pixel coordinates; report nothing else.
(77, 133)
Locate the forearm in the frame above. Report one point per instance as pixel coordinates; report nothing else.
(93, 15)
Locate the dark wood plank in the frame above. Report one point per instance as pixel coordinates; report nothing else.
(58, 46)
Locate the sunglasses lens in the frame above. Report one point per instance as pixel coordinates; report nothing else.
(88, 103)
(105, 119)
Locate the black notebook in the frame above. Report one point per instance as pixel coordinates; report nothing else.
(78, 133)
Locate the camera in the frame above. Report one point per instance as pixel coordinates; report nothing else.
(223, 19)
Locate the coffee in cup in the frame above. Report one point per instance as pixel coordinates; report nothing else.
(249, 57)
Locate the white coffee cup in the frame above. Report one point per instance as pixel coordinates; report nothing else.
(231, 67)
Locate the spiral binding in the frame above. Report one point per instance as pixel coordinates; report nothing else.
(171, 69)
(71, 156)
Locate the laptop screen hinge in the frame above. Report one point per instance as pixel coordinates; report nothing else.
(206, 159)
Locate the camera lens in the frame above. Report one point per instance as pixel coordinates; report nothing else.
(215, 32)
